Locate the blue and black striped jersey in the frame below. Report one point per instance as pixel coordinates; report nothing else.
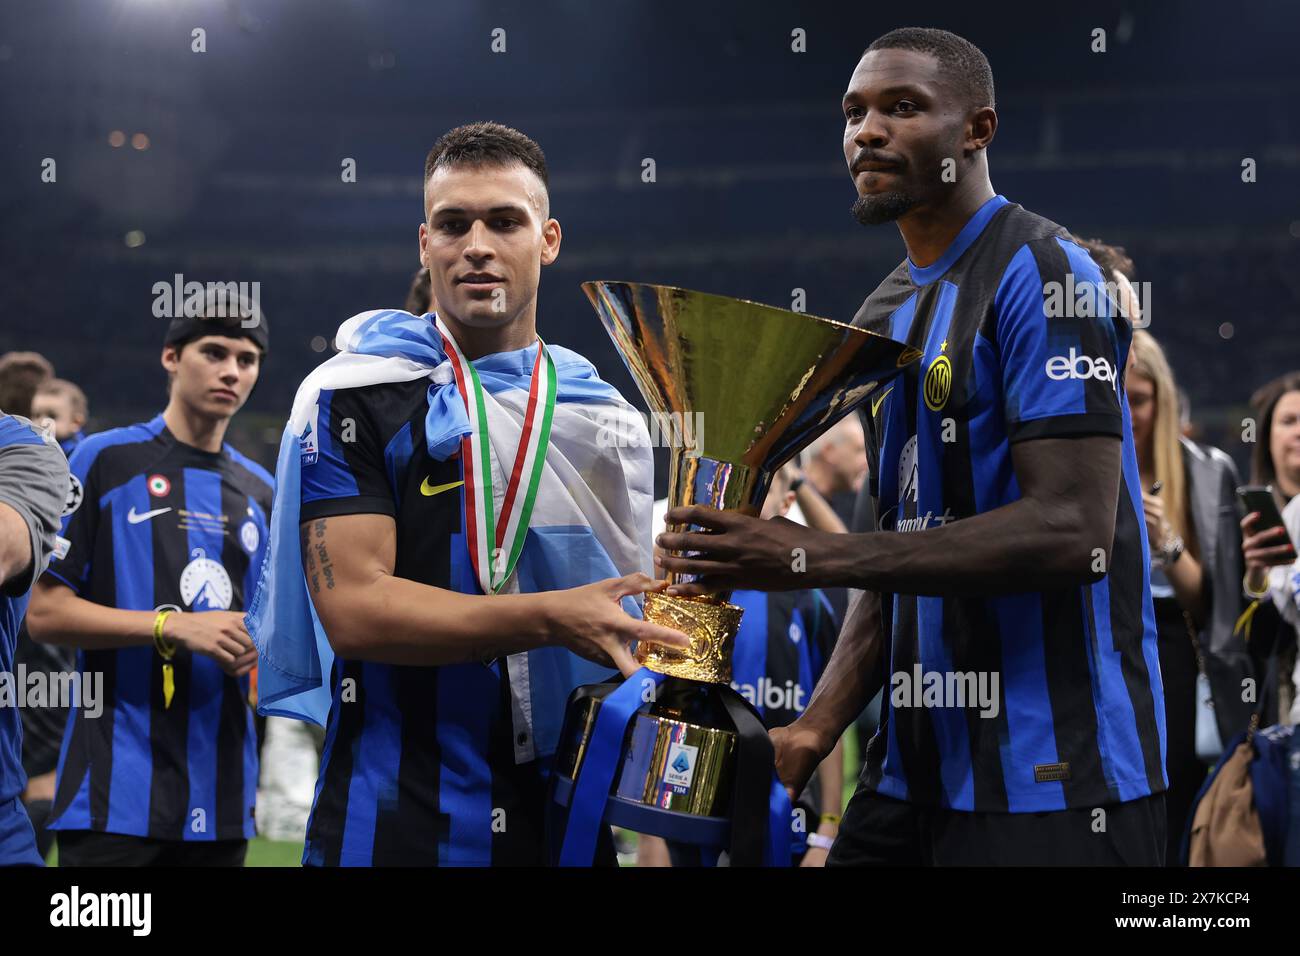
(419, 766)
(782, 646)
(1020, 340)
(161, 524)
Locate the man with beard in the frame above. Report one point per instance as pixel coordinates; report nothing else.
(1007, 569)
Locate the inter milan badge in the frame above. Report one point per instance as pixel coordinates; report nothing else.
(249, 536)
(205, 585)
(75, 494)
(159, 486)
(938, 381)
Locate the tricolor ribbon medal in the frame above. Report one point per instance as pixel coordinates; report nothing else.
(498, 540)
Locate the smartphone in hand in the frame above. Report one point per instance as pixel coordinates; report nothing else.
(1260, 498)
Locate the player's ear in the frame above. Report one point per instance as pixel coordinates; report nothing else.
(171, 358)
(982, 126)
(551, 236)
(424, 243)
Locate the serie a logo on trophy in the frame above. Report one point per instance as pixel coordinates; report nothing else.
(690, 760)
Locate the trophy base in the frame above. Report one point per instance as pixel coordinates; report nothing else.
(639, 818)
(697, 768)
(671, 760)
(711, 626)
(679, 757)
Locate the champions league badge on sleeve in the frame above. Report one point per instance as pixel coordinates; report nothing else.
(75, 493)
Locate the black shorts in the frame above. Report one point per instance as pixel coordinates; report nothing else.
(881, 831)
(94, 848)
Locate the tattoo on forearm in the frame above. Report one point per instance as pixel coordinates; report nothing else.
(315, 556)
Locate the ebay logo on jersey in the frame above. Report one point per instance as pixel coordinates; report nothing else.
(1074, 365)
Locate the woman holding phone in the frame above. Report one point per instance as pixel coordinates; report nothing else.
(1189, 494)
(1269, 550)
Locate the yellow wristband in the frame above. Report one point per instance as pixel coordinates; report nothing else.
(165, 647)
(1257, 595)
(834, 818)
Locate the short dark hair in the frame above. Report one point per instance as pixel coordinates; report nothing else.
(21, 373)
(1263, 470)
(420, 296)
(962, 63)
(485, 144)
(219, 310)
(1109, 258)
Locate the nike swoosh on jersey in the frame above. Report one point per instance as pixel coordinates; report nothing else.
(429, 490)
(875, 406)
(134, 518)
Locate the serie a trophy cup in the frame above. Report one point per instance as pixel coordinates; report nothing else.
(694, 763)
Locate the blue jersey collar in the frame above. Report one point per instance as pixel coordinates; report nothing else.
(969, 233)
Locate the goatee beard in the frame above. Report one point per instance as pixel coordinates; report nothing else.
(880, 208)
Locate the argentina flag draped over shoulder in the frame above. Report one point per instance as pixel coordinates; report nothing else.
(591, 519)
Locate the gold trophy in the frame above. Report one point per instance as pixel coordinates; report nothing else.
(758, 383)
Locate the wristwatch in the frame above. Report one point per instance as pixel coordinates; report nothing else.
(1172, 549)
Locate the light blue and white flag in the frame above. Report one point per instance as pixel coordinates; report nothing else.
(591, 519)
